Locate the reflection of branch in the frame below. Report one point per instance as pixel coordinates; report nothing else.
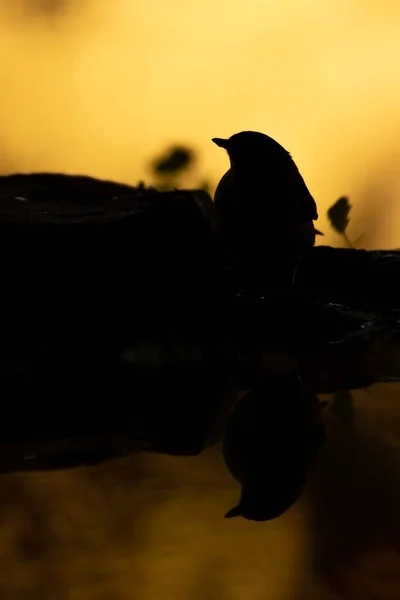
(353, 365)
(342, 407)
(369, 354)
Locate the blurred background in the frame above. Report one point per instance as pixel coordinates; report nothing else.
(100, 87)
(105, 88)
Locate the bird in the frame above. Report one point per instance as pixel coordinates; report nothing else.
(262, 201)
(272, 437)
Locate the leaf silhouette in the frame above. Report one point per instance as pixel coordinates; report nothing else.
(338, 214)
(175, 160)
(44, 8)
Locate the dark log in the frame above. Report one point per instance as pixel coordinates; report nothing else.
(89, 268)
(122, 326)
(353, 278)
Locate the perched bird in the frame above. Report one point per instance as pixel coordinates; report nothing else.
(262, 201)
(271, 439)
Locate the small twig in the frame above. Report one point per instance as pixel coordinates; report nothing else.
(360, 237)
(348, 242)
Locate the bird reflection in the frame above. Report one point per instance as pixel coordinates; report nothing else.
(271, 438)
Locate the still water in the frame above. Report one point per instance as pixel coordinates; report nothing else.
(151, 527)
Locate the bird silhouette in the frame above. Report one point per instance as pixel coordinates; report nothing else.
(262, 201)
(271, 439)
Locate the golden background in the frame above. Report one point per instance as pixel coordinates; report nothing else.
(99, 87)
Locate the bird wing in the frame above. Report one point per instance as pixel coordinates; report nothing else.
(225, 187)
(305, 203)
(229, 205)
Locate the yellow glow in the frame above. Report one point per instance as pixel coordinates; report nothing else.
(107, 85)
(100, 90)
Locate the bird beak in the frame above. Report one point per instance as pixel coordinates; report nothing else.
(220, 142)
(318, 232)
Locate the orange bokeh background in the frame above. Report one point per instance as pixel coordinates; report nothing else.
(101, 86)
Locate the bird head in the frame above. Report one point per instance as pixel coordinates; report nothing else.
(258, 159)
(248, 147)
